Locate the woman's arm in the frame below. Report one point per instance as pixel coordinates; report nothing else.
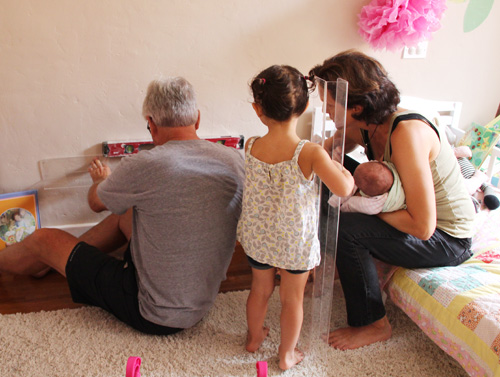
(414, 145)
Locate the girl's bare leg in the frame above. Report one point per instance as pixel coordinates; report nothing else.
(261, 290)
(292, 314)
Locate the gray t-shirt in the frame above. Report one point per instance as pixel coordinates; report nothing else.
(186, 198)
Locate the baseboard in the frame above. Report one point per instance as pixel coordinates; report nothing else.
(74, 229)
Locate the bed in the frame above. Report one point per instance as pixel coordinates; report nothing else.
(457, 307)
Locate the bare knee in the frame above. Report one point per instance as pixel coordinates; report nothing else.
(40, 238)
(294, 299)
(292, 288)
(47, 238)
(262, 283)
(263, 293)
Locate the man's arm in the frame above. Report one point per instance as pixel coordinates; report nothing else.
(98, 172)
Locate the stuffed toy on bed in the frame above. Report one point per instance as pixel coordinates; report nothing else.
(475, 179)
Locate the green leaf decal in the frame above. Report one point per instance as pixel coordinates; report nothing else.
(476, 13)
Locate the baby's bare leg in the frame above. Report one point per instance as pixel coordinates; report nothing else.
(257, 302)
(292, 314)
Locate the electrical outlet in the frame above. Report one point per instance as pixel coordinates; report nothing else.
(416, 52)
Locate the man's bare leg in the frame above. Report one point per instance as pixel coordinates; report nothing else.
(42, 249)
(111, 233)
(50, 248)
(349, 338)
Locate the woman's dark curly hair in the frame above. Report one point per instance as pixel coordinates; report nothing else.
(281, 91)
(369, 85)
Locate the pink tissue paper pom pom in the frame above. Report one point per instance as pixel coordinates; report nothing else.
(393, 24)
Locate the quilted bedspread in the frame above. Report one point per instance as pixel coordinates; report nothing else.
(459, 307)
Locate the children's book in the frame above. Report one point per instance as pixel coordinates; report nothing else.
(19, 216)
(481, 140)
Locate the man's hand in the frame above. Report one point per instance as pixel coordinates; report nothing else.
(98, 171)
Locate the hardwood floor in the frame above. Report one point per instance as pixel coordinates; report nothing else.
(24, 294)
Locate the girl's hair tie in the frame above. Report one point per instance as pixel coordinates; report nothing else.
(262, 81)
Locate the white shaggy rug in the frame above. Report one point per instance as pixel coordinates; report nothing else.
(89, 342)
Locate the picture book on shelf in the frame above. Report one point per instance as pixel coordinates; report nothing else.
(19, 216)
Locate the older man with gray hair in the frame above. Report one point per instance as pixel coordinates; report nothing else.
(176, 209)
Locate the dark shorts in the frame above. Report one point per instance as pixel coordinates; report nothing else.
(263, 266)
(98, 279)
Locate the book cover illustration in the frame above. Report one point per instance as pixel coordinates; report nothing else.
(19, 216)
(480, 140)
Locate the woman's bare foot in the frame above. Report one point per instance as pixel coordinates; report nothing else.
(289, 359)
(355, 337)
(253, 343)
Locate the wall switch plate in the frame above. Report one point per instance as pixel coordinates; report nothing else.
(416, 52)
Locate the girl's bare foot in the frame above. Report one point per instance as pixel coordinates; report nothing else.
(355, 337)
(254, 342)
(289, 359)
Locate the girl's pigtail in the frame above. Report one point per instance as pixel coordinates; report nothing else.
(311, 81)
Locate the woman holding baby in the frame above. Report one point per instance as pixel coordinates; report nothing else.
(434, 230)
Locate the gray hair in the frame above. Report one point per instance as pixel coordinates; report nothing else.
(171, 102)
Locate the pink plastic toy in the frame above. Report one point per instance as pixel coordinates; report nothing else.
(261, 368)
(133, 366)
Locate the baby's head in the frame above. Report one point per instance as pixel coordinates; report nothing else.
(281, 91)
(373, 178)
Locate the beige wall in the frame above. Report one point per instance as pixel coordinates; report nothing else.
(73, 73)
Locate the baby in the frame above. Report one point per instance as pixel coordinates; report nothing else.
(377, 189)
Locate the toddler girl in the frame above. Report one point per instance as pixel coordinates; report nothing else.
(278, 225)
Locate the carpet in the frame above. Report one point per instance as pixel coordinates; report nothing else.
(89, 342)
